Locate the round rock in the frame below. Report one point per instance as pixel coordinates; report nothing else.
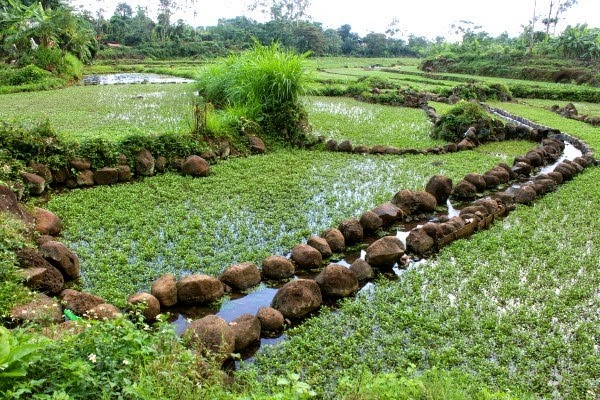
(246, 329)
(210, 334)
(165, 290)
(277, 267)
(335, 240)
(385, 252)
(199, 289)
(337, 281)
(271, 320)
(297, 298)
(241, 276)
(306, 257)
(351, 230)
(148, 304)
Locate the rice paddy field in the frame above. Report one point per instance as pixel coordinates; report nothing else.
(514, 309)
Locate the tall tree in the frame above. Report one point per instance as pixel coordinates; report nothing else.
(283, 10)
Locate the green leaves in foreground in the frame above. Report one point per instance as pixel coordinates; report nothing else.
(17, 352)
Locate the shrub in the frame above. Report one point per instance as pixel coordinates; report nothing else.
(459, 118)
(66, 66)
(267, 83)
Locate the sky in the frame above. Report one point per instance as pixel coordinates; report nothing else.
(429, 18)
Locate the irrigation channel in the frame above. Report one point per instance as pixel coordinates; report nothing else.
(261, 296)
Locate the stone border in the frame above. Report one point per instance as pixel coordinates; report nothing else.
(53, 264)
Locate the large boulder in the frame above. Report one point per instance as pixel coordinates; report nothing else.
(521, 168)
(195, 166)
(271, 320)
(106, 176)
(31, 258)
(41, 310)
(351, 230)
(321, 245)
(361, 269)
(35, 183)
(426, 201)
(335, 240)
(46, 222)
(165, 290)
(84, 178)
(306, 257)
(241, 276)
(388, 213)
(80, 164)
(385, 252)
(144, 163)
(41, 170)
(246, 329)
(199, 289)
(10, 204)
(370, 221)
(337, 281)
(125, 174)
(440, 187)
(160, 164)
(149, 305)
(62, 258)
(277, 267)
(210, 334)
(433, 229)
(79, 302)
(297, 298)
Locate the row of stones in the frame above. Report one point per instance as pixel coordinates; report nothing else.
(569, 111)
(469, 142)
(79, 172)
(300, 297)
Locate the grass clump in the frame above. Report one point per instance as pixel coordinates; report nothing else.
(266, 82)
(455, 122)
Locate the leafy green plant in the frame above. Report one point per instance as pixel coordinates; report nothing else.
(266, 82)
(17, 353)
(458, 119)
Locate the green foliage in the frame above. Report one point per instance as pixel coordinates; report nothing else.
(17, 352)
(265, 81)
(480, 91)
(21, 76)
(458, 119)
(54, 60)
(432, 384)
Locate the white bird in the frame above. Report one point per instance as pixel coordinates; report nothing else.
(34, 45)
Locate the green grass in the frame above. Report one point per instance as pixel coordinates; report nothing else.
(592, 109)
(128, 235)
(514, 306)
(110, 112)
(590, 134)
(342, 118)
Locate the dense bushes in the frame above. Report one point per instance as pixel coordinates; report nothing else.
(261, 86)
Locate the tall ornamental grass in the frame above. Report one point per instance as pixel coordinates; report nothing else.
(266, 83)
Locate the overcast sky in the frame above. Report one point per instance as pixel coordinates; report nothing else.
(428, 18)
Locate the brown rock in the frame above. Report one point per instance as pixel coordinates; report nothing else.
(241, 276)
(271, 320)
(246, 329)
(476, 180)
(378, 149)
(418, 241)
(556, 177)
(85, 178)
(297, 298)
(81, 164)
(41, 310)
(106, 176)
(500, 173)
(257, 146)
(277, 267)
(345, 146)
(370, 221)
(464, 190)
(361, 149)
(210, 334)
(306, 257)
(490, 205)
(465, 144)
(471, 210)
(40, 240)
(440, 187)
(388, 212)
(144, 163)
(41, 170)
(331, 145)
(321, 245)
(62, 258)
(199, 289)
(79, 302)
(385, 252)
(521, 168)
(103, 312)
(525, 195)
(491, 180)
(148, 304)
(434, 230)
(31, 258)
(47, 279)
(36, 184)
(160, 164)
(361, 270)
(195, 166)
(125, 174)
(337, 281)
(60, 175)
(46, 222)
(10, 204)
(165, 290)
(426, 202)
(351, 230)
(335, 240)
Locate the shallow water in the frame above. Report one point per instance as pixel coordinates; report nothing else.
(129, 78)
